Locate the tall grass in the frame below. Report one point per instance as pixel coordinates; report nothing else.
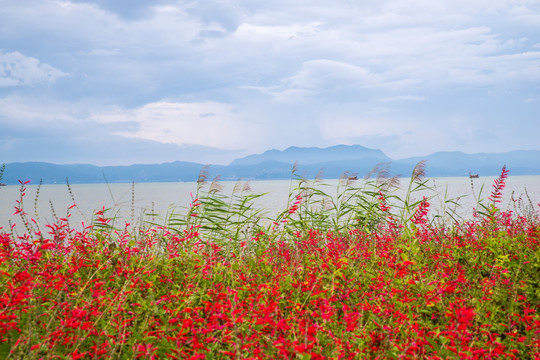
(353, 204)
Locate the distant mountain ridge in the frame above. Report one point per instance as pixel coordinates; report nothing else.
(455, 163)
(314, 155)
(277, 164)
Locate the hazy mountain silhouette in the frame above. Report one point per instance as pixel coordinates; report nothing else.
(314, 155)
(277, 164)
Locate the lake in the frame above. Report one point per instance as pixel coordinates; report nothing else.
(129, 201)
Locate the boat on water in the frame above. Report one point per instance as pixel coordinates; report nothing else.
(2, 184)
(473, 176)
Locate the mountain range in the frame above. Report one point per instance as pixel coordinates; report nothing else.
(278, 164)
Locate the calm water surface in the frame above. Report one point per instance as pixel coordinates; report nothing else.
(162, 198)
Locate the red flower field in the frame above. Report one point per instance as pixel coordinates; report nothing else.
(360, 276)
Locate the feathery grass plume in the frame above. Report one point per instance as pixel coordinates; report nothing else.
(203, 175)
(419, 171)
(216, 186)
(347, 178)
(241, 187)
(417, 183)
(383, 177)
(391, 183)
(380, 169)
(295, 167)
(238, 187)
(383, 171)
(320, 176)
(305, 190)
(371, 172)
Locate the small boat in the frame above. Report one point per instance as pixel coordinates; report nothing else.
(2, 184)
(473, 176)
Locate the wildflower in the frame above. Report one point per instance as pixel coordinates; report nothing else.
(382, 202)
(420, 216)
(498, 186)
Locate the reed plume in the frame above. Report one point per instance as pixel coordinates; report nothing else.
(215, 186)
(347, 178)
(203, 175)
(320, 176)
(295, 167)
(238, 187)
(377, 170)
(241, 187)
(419, 171)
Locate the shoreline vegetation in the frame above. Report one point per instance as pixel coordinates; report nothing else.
(362, 273)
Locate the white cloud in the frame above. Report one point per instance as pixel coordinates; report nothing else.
(327, 74)
(19, 70)
(401, 45)
(400, 59)
(322, 76)
(210, 124)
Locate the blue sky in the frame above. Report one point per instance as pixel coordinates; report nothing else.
(135, 81)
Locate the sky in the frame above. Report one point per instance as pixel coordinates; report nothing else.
(117, 82)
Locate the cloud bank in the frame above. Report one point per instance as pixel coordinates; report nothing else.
(409, 78)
